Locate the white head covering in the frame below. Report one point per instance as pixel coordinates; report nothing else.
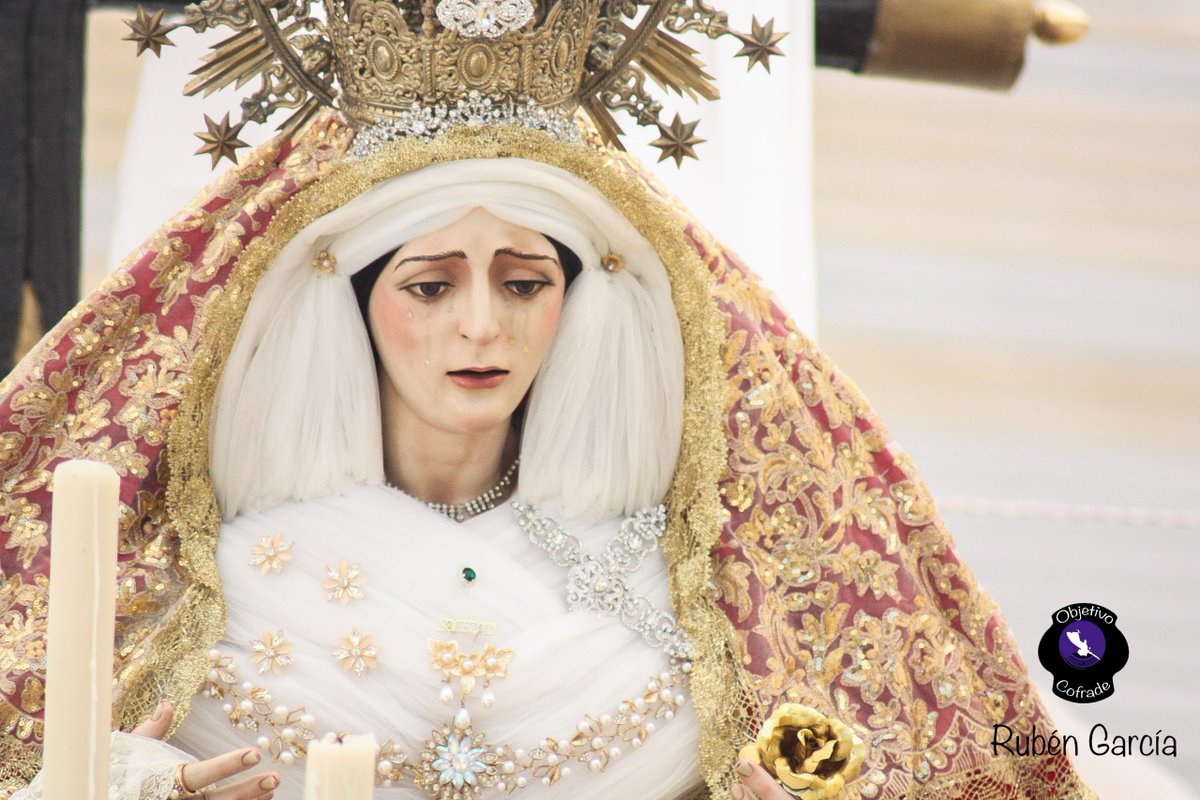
(297, 411)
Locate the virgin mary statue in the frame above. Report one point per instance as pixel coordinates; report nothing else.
(438, 420)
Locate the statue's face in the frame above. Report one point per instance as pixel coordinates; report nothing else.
(462, 319)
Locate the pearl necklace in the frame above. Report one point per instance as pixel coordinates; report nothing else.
(460, 512)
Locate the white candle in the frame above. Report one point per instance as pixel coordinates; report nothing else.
(344, 771)
(80, 631)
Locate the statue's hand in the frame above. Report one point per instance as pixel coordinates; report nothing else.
(198, 776)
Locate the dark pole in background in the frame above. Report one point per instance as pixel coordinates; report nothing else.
(41, 114)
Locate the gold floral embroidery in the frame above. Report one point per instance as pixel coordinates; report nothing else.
(357, 652)
(27, 533)
(271, 652)
(22, 630)
(271, 553)
(343, 583)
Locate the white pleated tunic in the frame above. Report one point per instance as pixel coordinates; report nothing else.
(566, 665)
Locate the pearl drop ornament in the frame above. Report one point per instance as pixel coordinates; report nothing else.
(446, 695)
(489, 698)
(263, 742)
(462, 719)
(287, 757)
(594, 765)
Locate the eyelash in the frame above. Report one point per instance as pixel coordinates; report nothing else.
(534, 288)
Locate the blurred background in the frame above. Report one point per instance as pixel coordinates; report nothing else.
(1013, 280)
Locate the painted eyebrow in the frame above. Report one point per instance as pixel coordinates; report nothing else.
(508, 251)
(434, 257)
(460, 254)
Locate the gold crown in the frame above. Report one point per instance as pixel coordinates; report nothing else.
(378, 60)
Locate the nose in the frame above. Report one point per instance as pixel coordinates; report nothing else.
(478, 322)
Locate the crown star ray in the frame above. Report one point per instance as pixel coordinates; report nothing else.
(414, 67)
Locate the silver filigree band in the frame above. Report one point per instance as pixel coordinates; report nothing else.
(599, 584)
(491, 18)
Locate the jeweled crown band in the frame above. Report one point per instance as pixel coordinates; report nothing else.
(473, 111)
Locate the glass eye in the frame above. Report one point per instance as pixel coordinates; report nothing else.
(526, 288)
(427, 290)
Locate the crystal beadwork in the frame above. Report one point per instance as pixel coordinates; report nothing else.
(473, 111)
(598, 584)
(490, 18)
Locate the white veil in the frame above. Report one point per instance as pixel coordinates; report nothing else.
(297, 412)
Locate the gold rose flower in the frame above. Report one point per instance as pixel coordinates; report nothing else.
(810, 755)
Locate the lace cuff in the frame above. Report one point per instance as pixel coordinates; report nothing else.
(141, 769)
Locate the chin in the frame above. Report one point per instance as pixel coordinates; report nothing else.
(478, 421)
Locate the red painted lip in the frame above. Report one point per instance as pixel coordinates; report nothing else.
(478, 378)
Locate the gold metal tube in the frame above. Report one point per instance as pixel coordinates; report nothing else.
(973, 42)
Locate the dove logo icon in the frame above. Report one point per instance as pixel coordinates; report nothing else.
(1083, 650)
(1081, 644)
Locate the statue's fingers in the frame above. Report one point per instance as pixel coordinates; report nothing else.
(205, 773)
(759, 783)
(157, 724)
(252, 787)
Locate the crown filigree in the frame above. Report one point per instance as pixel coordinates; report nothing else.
(386, 64)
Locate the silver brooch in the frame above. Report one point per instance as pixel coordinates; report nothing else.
(600, 584)
(491, 18)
